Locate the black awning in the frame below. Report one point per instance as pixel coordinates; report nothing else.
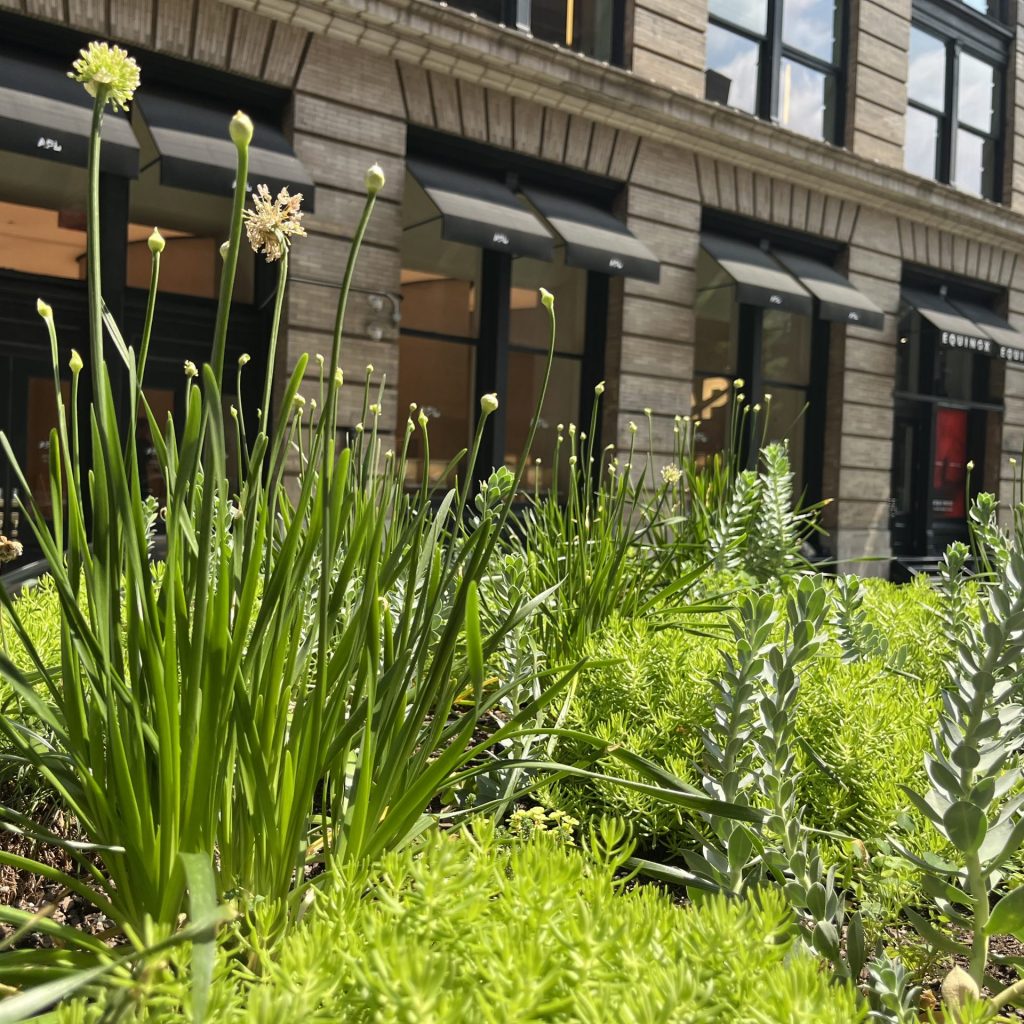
(594, 238)
(955, 329)
(45, 114)
(481, 211)
(838, 300)
(1009, 341)
(759, 279)
(196, 153)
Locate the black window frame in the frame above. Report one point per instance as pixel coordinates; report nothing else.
(518, 14)
(988, 38)
(771, 52)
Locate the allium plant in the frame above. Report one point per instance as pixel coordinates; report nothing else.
(297, 680)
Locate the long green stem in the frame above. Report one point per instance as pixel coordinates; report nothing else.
(230, 267)
(94, 284)
(979, 893)
(282, 280)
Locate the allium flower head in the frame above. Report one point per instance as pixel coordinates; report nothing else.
(103, 65)
(273, 222)
(191, 370)
(671, 474)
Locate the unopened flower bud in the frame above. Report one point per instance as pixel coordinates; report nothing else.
(422, 419)
(190, 369)
(339, 377)
(76, 363)
(547, 299)
(632, 427)
(958, 989)
(374, 179)
(489, 403)
(240, 129)
(225, 248)
(44, 309)
(599, 388)
(156, 242)
(738, 382)
(243, 359)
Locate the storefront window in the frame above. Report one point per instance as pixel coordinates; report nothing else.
(801, 55)
(447, 342)
(954, 118)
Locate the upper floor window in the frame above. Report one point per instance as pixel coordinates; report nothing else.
(779, 61)
(954, 94)
(593, 27)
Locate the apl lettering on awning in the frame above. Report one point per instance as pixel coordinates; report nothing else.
(967, 326)
(194, 151)
(481, 211)
(760, 280)
(594, 239)
(45, 114)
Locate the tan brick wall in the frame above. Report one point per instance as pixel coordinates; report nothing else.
(668, 43)
(877, 99)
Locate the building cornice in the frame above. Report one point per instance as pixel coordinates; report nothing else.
(453, 42)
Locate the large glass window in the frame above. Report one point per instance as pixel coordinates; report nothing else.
(772, 352)
(448, 344)
(954, 85)
(592, 27)
(780, 62)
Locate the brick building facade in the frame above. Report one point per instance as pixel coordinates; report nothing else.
(894, 410)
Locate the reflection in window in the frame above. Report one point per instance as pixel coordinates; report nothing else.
(746, 36)
(921, 152)
(804, 103)
(953, 120)
(592, 28)
(732, 69)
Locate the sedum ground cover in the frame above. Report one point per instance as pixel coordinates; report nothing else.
(477, 929)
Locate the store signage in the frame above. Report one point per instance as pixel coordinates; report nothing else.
(52, 145)
(615, 263)
(1011, 353)
(968, 341)
(500, 238)
(775, 300)
(853, 316)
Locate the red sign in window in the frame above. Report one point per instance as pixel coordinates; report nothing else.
(949, 471)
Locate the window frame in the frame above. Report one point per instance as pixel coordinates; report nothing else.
(518, 14)
(963, 30)
(772, 51)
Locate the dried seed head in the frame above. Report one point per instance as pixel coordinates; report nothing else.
(272, 223)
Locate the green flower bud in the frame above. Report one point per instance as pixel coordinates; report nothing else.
(156, 242)
(489, 403)
(240, 129)
(243, 359)
(958, 989)
(599, 388)
(225, 248)
(44, 309)
(374, 179)
(75, 363)
(547, 299)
